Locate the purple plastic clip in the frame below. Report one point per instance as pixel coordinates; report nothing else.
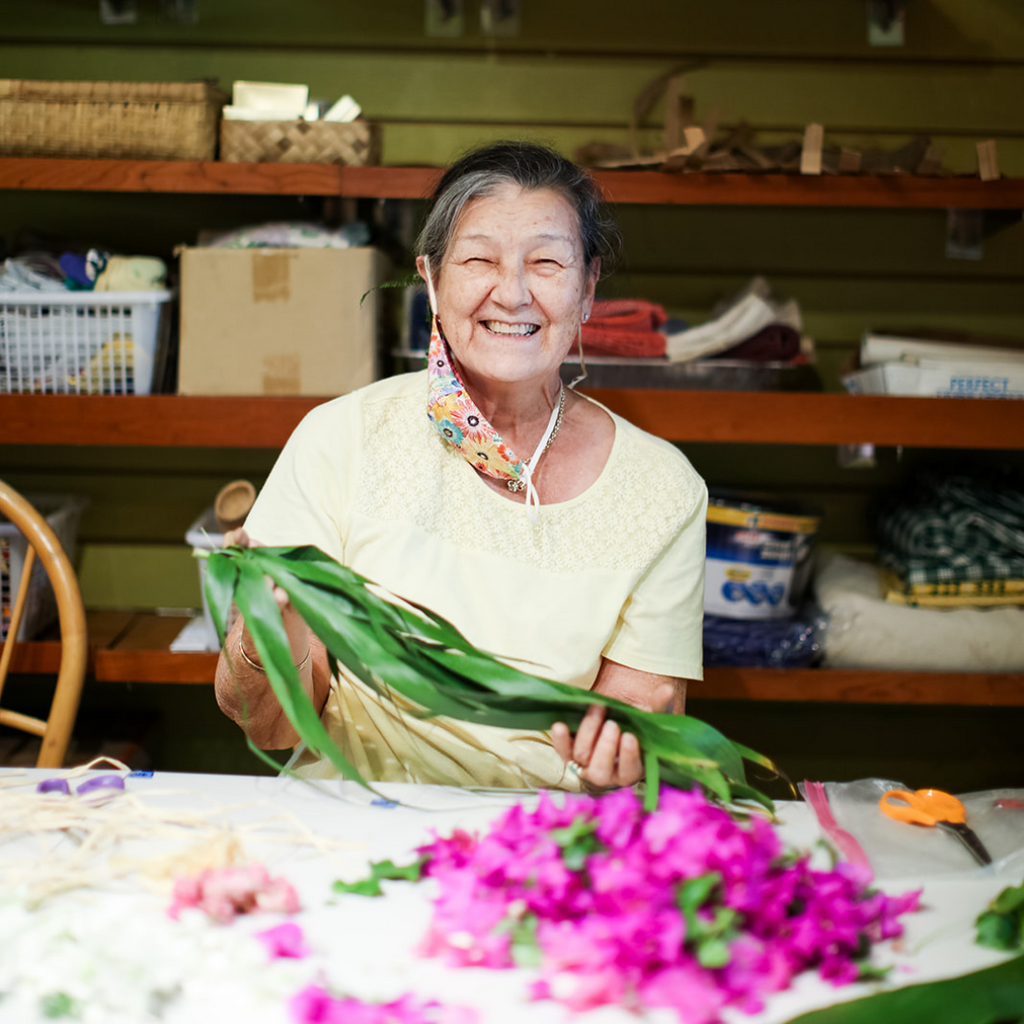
(54, 786)
(100, 782)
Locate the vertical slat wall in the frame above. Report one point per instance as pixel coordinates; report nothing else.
(570, 78)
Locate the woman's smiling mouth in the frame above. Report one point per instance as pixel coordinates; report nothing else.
(516, 330)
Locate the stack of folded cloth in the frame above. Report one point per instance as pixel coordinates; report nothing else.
(956, 541)
(625, 327)
(752, 328)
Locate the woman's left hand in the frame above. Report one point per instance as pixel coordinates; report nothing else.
(605, 756)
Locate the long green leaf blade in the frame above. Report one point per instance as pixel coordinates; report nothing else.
(263, 620)
(993, 995)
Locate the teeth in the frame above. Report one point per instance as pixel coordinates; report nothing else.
(497, 327)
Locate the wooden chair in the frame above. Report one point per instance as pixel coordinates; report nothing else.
(42, 543)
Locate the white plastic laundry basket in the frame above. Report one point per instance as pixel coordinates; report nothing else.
(79, 343)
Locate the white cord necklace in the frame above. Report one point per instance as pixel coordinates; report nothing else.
(545, 442)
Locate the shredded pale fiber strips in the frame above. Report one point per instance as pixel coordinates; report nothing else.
(74, 842)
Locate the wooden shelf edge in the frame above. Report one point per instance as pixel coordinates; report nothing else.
(856, 686)
(643, 187)
(138, 652)
(755, 417)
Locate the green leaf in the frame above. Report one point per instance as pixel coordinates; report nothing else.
(219, 584)
(59, 1004)
(1001, 926)
(380, 871)
(1010, 899)
(364, 887)
(577, 841)
(713, 953)
(868, 972)
(989, 996)
(694, 893)
(409, 872)
(652, 780)
(263, 620)
(998, 931)
(398, 648)
(524, 949)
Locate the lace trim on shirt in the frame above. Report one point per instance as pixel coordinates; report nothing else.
(622, 522)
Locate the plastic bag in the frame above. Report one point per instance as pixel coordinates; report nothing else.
(770, 643)
(849, 814)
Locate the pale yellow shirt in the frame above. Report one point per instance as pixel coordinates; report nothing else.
(617, 572)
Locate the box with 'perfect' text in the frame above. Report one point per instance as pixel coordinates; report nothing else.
(279, 321)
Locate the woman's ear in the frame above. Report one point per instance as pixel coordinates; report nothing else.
(421, 267)
(590, 285)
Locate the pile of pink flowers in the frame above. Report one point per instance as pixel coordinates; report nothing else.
(684, 907)
(224, 892)
(315, 1005)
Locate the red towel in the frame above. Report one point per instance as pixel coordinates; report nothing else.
(624, 327)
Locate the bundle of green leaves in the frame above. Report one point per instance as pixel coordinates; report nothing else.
(391, 645)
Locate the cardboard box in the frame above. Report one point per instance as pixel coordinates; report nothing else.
(278, 321)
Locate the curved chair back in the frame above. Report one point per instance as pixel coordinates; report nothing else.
(42, 543)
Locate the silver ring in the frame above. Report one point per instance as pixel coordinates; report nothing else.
(574, 767)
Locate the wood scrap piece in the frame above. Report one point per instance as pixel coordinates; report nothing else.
(678, 114)
(988, 161)
(849, 161)
(810, 157)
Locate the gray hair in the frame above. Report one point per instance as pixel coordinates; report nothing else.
(480, 172)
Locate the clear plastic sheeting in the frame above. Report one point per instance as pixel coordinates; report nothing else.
(896, 849)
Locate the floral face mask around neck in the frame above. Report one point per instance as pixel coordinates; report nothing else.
(456, 417)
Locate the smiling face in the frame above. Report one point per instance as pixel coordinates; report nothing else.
(513, 288)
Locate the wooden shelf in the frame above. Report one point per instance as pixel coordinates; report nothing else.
(134, 647)
(762, 417)
(725, 189)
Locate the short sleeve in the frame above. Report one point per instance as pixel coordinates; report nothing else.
(307, 495)
(660, 629)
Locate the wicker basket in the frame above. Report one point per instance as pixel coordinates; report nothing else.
(128, 120)
(354, 143)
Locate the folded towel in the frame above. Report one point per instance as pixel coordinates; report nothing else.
(625, 327)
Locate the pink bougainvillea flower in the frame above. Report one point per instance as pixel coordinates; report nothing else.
(315, 1005)
(225, 892)
(684, 907)
(284, 941)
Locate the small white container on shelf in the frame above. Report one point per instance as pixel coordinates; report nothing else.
(80, 343)
(201, 634)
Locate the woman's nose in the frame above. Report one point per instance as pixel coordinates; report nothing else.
(511, 289)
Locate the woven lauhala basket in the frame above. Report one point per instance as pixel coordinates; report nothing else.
(127, 120)
(354, 143)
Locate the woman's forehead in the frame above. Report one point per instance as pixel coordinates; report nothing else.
(539, 215)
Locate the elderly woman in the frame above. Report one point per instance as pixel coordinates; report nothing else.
(550, 531)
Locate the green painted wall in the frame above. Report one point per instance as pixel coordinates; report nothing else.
(570, 78)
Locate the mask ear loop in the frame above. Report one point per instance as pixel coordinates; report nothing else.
(430, 286)
(583, 365)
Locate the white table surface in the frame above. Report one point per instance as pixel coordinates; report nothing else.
(367, 946)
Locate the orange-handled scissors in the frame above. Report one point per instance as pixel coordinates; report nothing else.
(936, 809)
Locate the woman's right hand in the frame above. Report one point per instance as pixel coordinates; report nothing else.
(242, 688)
(295, 626)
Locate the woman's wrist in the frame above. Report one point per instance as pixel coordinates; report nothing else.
(258, 666)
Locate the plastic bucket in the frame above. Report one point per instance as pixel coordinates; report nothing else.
(759, 557)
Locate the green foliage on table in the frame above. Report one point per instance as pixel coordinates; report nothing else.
(380, 871)
(395, 646)
(991, 996)
(1001, 926)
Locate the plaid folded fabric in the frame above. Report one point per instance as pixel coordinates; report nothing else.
(956, 528)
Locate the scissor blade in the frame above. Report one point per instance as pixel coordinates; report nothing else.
(969, 839)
